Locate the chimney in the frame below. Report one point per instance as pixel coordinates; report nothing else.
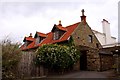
(83, 17)
(60, 23)
(30, 35)
(106, 31)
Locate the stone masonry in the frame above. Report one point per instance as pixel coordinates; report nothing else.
(93, 60)
(106, 61)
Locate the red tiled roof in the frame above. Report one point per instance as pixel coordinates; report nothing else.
(47, 40)
(49, 36)
(70, 29)
(41, 34)
(61, 28)
(31, 45)
(28, 39)
(67, 34)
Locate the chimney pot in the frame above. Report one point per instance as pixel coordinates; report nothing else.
(106, 21)
(30, 35)
(82, 12)
(60, 23)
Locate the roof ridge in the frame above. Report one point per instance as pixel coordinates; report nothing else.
(72, 24)
(62, 28)
(41, 32)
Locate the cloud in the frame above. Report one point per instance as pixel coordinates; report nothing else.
(21, 18)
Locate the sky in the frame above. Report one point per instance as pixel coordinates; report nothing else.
(20, 18)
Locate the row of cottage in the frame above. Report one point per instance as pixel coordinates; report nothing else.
(89, 42)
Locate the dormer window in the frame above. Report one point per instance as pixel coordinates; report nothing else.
(58, 31)
(27, 43)
(39, 39)
(56, 35)
(28, 40)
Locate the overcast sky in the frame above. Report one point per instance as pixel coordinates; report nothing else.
(20, 18)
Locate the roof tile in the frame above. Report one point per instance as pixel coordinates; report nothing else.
(42, 34)
(49, 37)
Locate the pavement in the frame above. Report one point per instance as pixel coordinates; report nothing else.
(84, 74)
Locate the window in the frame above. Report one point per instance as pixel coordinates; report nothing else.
(39, 39)
(56, 35)
(90, 38)
(78, 37)
(97, 45)
(27, 43)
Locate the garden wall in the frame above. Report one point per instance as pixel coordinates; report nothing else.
(93, 60)
(106, 61)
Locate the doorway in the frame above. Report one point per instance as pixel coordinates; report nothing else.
(83, 60)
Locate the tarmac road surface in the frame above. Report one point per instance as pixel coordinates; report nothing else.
(84, 74)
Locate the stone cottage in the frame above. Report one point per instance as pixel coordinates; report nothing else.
(83, 37)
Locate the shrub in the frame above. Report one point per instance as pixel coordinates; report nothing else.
(10, 58)
(56, 56)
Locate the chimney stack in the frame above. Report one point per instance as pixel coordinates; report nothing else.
(106, 31)
(83, 17)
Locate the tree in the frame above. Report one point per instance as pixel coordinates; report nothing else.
(56, 56)
(10, 58)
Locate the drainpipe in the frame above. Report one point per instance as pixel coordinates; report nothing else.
(117, 61)
(100, 62)
(117, 64)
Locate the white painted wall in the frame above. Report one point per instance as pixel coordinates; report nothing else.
(105, 37)
(100, 37)
(113, 40)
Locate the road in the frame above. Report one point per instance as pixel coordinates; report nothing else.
(84, 74)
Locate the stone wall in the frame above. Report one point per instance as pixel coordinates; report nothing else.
(106, 61)
(79, 39)
(93, 60)
(117, 62)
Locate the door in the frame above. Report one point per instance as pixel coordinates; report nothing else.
(83, 60)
